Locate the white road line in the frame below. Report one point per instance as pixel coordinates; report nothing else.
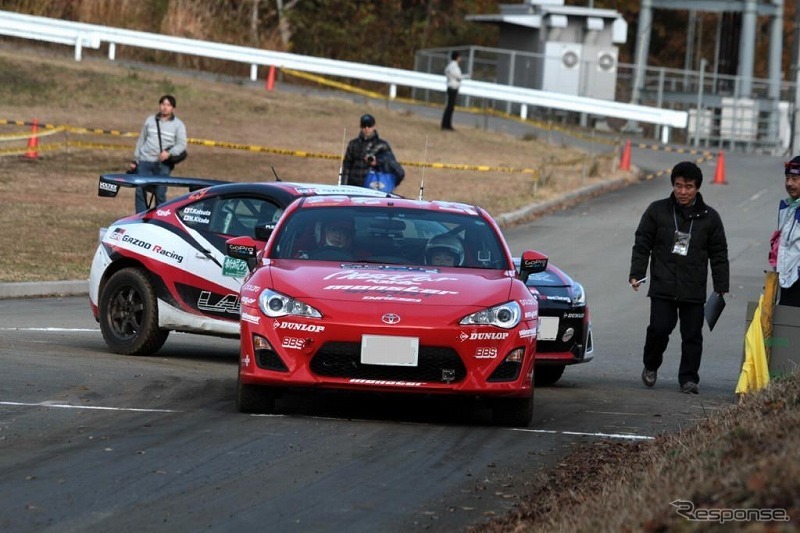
(549, 431)
(61, 330)
(619, 413)
(88, 407)
(582, 434)
(753, 198)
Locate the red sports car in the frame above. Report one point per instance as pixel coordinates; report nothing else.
(389, 295)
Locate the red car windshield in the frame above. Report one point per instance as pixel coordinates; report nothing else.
(435, 238)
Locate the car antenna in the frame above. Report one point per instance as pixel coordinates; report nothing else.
(344, 148)
(277, 178)
(424, 164)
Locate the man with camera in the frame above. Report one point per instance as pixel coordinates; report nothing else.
(369, 152)
(163, 138)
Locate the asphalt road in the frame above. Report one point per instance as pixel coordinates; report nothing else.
(91, 441)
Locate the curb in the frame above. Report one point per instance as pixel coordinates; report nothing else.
(31, 289)
(34, 289)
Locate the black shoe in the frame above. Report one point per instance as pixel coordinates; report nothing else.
(690, 387)
(649, 377)
(447, 129)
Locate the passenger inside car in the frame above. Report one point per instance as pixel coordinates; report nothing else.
(444, 250)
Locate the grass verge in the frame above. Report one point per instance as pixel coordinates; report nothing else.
(733, 471)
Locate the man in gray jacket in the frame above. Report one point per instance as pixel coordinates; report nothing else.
(679, 237)
(163, 135)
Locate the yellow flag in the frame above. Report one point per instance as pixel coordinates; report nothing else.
(755, 370)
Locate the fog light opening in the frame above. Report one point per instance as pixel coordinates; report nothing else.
(567, 336)
(260, 343)
(516, 356)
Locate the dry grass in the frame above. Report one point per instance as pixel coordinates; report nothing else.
(53, 202)
(745, 457)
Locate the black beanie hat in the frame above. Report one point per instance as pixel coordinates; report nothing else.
(792, 167)
(367, 121)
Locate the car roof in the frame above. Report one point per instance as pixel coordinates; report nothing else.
(390, 202)
(291, 189)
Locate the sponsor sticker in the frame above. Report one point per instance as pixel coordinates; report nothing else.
(483, 336)
(228, 303)
(387, 382)
(116, 234)
(249, 317)
(296, 326)
(293, 343)
(163, 212)
(112, 187)
(527, 333)
(486, 352)
(234, 268)
(249, 287)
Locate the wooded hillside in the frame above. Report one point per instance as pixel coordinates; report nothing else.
(389, 32)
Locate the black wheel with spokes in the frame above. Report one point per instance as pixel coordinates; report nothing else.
(129, 314)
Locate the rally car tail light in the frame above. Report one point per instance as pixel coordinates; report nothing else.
(266, 357)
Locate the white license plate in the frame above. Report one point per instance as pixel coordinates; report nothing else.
(390, 351)
(548, 328)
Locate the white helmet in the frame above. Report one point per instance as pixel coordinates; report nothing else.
(447, 243)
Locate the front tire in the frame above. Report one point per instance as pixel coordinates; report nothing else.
(513, 412)
(547, 375)
(254, 398)
(129, 314)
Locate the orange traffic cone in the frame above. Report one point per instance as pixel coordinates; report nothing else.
(625, 160)
(719, 173)
(33, 141)
(271, 78)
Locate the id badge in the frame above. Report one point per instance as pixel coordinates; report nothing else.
(680, 244)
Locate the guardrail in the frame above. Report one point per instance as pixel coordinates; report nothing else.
(82, 35)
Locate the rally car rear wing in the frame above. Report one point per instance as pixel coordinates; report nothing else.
(109, 184)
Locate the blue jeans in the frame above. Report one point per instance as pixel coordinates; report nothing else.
(148, 168)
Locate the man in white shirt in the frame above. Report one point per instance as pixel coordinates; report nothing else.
(454, 76)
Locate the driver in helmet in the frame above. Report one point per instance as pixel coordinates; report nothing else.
(444, 250)
(338, 233)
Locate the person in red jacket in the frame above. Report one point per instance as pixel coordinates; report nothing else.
(679, 237)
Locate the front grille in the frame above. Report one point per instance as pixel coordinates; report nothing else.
(343, 360)
(269, 360)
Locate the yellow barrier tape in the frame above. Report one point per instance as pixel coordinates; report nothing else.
(265, 149)
(25, 136)
(22, 151)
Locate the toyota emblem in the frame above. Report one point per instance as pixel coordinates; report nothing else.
(390, 318)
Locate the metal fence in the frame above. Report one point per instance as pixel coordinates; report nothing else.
(717, 117)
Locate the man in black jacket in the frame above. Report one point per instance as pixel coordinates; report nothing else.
(679, 236)
(369, 151)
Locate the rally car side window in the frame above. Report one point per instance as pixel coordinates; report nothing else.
(198, 215)
(239, 216)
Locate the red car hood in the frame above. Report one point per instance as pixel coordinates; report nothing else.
(358, 282)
